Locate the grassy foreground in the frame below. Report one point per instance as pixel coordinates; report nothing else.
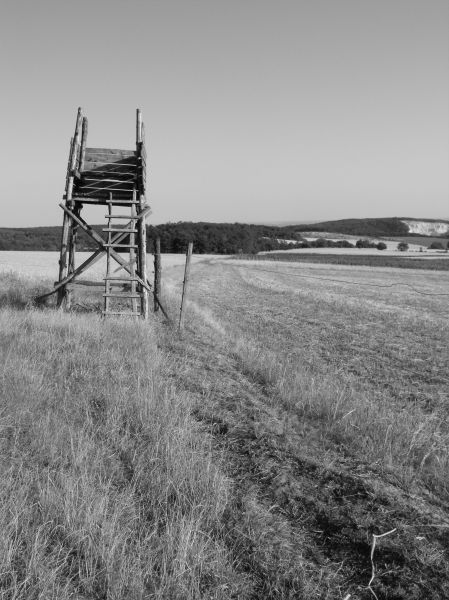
(253, 457)
(108, 489)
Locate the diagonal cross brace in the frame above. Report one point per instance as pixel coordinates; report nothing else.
(97, 254)
(87, 263)
(101, 242)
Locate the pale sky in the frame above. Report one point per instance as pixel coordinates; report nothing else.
(255, 110)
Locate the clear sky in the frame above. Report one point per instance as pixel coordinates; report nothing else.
(255, 110)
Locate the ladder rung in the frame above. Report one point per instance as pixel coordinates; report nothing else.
(121, 295)
(118, 201)
(120, 245)
(134, 314)
(120, 229)
(121, 279)
(129, 217)
(86, 283)
(109, 180)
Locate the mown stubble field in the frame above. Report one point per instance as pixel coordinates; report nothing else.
(313, 416)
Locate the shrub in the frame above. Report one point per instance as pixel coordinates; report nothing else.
(365, 244)
(436, 246)
(381, 246)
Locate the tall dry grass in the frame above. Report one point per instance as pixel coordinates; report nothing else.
(411, 443)
(108, 486)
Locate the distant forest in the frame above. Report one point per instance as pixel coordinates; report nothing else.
(212, 238)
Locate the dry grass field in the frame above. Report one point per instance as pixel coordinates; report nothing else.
(303, 411)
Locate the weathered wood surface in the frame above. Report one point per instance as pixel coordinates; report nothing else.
(142, 252)
(102, 194)
(138, 126)
(83, 144)
(132, 296)
(76, 140)
(157, 273)
(122, 165)
(136, 218)
(119, 201)
(104, 185)
(185, 286)
(109, 151)
(132, 263)
(123, 314)
(129, 174)
(85, 282)
(112, 177)
(108, 229)
(99, 240)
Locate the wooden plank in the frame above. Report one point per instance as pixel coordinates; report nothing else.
(101, 164)
(66, 224)
(109, 157)
(132, 259)
(124, 279)
(136, 218)
(105, 200)
(144, 209)
(157, 273)
(120, 229)
(185, 285)
(122, 314)
(83, 144)
(118, 175)
(76, 140)
(110, 151)
(101, 182)
(121, 295)
(92, 192)
(104, 181)
(138, 126)
(86, 282)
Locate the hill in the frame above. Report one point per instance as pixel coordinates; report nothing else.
(381, 227)
(230, 238)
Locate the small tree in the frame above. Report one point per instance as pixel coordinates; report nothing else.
(402, 246)
(381, 246)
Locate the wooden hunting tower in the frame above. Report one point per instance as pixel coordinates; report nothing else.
(115, 179)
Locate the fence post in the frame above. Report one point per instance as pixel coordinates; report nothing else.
(185, 285)
(157, 273)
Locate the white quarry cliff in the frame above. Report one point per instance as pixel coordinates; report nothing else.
(427, 227)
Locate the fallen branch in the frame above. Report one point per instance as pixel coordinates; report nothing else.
(373, 570)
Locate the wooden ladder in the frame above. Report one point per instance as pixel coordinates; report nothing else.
(131, 293)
